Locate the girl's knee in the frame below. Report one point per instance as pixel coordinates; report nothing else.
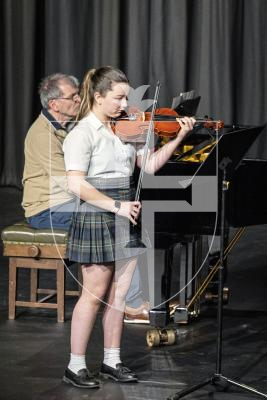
(92, 297)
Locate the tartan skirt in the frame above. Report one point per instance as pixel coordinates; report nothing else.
(97, 236)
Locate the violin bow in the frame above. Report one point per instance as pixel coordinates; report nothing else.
(149, 133)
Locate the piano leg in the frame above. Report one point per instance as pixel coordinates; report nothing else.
(166, 277)
(160, 315)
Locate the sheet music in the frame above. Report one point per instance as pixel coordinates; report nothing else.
(182, 97)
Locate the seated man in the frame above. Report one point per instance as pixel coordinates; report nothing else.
(47, 201)
(45, 189)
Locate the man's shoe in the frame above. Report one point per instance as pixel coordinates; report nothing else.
(138, 315)
(83, 379)
(118, 374)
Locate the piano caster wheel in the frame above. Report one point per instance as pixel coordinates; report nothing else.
(211, 297)
(158, 337)
(225, 295)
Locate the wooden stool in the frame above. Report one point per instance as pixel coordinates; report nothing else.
(37, 249)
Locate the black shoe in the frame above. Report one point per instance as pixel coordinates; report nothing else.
(118, 374)
(83, 379)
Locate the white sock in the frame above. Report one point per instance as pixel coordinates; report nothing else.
(112, 356)
(76, 363)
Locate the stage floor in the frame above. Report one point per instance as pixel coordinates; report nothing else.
(34, 348)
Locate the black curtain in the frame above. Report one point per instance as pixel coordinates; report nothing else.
(216, 47)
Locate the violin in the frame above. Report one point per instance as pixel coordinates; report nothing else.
(166, 123)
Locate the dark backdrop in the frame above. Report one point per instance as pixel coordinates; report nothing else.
(217, 47)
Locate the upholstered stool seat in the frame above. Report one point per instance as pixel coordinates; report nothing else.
(36, 249)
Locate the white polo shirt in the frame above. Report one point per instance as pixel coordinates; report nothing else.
(92, 148)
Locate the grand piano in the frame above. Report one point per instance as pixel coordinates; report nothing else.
(202, 156)
(246, 199)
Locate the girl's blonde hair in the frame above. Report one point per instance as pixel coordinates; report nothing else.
(98, 80)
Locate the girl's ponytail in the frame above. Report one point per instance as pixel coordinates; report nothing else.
(87, 95)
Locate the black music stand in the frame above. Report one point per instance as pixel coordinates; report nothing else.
(231, 150)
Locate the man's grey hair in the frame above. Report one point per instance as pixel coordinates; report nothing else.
(49, 87)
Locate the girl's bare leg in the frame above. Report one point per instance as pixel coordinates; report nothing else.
(114, 311)
(96, 280)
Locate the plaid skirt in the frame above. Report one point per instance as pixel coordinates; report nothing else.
(97, 236)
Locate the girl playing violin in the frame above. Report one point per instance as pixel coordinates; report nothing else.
(99, 168)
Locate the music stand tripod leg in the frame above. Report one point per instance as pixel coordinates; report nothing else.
(217, 377)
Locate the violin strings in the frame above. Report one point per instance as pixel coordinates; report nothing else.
(150, 128)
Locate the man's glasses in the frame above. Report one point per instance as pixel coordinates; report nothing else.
(74, 97)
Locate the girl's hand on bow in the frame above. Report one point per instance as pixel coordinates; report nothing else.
(130, 210)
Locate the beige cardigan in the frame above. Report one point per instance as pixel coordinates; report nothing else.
(44, 177)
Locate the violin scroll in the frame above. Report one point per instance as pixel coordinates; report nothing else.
(211, 124)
